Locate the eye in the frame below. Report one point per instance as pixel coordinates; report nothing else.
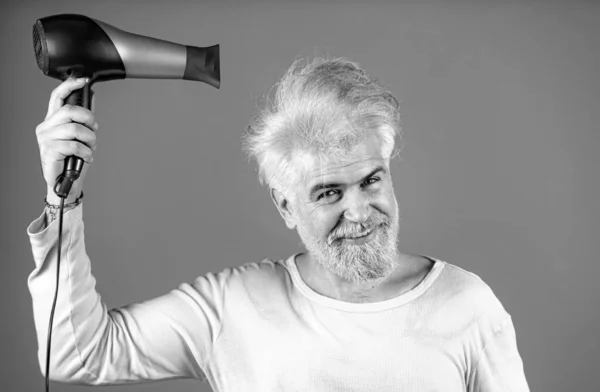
(370, 181)
(329, 195)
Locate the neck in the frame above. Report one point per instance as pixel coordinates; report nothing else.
(328, 284)
(409, 272)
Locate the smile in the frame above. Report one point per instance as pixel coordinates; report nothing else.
(361, 239)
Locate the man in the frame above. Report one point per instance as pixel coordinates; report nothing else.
(352, 313)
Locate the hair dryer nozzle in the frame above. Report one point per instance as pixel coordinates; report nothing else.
(202, 64)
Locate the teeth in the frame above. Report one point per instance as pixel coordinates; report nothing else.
(360, 235)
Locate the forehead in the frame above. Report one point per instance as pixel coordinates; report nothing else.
(358, 162)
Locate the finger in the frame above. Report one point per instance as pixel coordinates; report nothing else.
(71, 131)
(67, 114)
(61, 149)
(57, 98)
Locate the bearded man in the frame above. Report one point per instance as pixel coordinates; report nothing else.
(352, 313)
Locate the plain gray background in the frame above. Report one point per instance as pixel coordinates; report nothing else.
(498, 174)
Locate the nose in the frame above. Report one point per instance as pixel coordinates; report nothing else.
(357, 207)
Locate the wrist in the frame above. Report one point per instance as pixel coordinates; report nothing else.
(52, 198)
(53, 210)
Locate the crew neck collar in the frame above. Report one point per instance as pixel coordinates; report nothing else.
(369, 306)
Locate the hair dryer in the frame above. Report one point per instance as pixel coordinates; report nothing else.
(70, 45)
(76, 46)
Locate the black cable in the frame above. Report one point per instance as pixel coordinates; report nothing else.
(60, 222)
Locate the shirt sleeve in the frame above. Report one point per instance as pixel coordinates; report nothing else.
(163, 338)
(499, 367)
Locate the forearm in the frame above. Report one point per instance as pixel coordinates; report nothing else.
(77, 323)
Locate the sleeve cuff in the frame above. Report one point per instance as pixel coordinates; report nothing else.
(42, 238)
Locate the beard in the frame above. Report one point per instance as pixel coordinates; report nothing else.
(355, 263)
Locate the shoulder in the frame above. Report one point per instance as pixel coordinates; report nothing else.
(260, 272)
(256, 277)
(464, 295)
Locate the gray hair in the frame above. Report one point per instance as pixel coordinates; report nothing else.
(323, 107)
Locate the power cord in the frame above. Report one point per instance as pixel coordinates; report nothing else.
(62, 187)
(60, 224)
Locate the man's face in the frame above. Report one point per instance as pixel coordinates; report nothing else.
(346, 213)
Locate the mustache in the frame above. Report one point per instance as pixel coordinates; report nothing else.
(348, 229)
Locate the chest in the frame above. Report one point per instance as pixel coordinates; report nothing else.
(340, 355)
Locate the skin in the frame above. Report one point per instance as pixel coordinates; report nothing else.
(354, 197)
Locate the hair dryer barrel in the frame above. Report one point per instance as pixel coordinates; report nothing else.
(152, 58)
(70, 45)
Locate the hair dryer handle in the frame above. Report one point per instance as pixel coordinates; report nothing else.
(73, 164)
(81, 97)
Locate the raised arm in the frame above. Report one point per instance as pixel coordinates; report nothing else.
(167, 337)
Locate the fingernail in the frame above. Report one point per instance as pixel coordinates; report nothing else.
(96, 126)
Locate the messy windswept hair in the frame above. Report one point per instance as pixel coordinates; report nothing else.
(323, 107)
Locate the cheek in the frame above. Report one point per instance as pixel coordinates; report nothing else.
(386, 201)
(322, 223)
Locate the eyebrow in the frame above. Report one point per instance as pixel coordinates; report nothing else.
(328, 185)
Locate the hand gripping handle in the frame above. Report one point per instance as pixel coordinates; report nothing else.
(73, 164)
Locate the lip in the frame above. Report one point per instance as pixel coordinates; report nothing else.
(360, 240)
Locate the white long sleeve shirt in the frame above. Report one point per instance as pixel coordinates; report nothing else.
(259, 327)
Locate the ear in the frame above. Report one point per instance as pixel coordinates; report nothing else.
(284, 207)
